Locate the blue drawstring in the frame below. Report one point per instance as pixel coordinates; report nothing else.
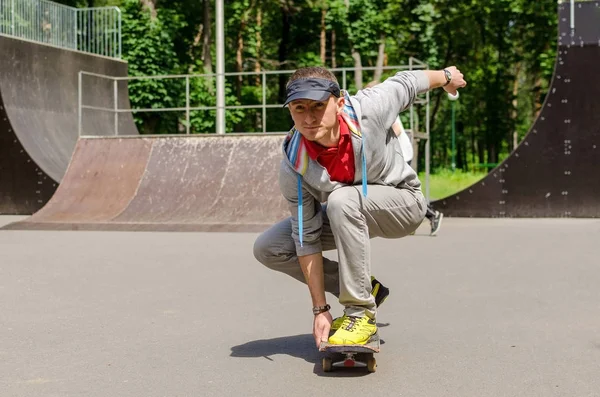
(364, 167)
(300, 207)
(300, 212)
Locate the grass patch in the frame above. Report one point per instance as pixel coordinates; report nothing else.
(444, 182)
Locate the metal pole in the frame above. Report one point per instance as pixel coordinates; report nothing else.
(115, 88)
(220, 68)
(119, 14)
(264, 102)
(411, 111)
(12, 17)
(572, 16)
(79, 77)
(75, 37)
(187, 105)
(427, 148)
(453, 136)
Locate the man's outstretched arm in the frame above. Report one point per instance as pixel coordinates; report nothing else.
(312, 267)
(437, 79)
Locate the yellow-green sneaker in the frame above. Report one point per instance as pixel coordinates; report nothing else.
(354, 331)
(378, 290)
(337, 323)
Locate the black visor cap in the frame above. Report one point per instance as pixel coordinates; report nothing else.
(313, 88)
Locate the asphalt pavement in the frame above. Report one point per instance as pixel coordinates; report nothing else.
(490, 307)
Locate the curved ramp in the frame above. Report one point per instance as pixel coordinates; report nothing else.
(554, 171)
(197, 183)
(39, 118)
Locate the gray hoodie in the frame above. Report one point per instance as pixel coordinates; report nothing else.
(369, 114)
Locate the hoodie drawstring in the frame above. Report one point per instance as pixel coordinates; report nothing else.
(300, 200)
(300, 212)
(364, 167)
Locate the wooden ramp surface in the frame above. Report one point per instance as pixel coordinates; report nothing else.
(199, 183)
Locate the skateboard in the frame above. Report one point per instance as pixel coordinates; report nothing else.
(351, 356)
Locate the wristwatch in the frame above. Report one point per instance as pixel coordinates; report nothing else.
(321, 309)
(448, 77)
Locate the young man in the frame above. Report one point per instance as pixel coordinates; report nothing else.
(435, 217)
(343, 152)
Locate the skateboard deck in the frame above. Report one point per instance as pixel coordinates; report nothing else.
(351, 356)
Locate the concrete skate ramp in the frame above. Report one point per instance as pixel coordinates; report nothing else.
(198, 183)
(39, 116)
(555, 170)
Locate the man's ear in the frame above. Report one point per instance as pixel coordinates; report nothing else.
(340, 105)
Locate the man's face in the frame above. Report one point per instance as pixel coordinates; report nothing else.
(316, 119)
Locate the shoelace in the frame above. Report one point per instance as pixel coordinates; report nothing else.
(350, 323)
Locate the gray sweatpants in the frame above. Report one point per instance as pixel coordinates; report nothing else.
(349, 221)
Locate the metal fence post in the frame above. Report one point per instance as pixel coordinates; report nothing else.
(572, 17)
(427, 149)
(119, 33)
(187, 104)
(75, 38)
(79, 110)
(220, 43)
(12, 17)
(264, 102)
(115, 87)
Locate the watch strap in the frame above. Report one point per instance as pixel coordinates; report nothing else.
(320, 309)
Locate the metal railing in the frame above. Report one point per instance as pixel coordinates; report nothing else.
(93, 30)
(115, 110)
(414, 65)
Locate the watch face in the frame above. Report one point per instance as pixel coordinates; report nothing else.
(448, 75)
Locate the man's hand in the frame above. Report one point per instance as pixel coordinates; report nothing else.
(321, 327)
(457, 81)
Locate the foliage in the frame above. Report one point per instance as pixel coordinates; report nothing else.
(148, 47)
(506, 49)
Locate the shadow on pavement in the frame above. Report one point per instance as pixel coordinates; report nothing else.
(300, 346)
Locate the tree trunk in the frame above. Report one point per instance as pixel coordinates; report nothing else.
(333, 62)
(380, 59)
(515, 104)
(283, 50)
(323, 36)
(480, 151)
(492, 153)
(461, 147)
(206, 38)
(473, 149)
(358, 77)
(538, 99)
(151, 7)
(258, 64)
(239, 60)
(192, 50)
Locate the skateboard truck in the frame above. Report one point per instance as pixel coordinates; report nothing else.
(350, 355)
(350, 361)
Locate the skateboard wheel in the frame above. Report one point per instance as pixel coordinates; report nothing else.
(327, 364)
(371, 364)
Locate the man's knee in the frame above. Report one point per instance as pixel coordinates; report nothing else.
(262, 250)
(271, 253)
(342, 204)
